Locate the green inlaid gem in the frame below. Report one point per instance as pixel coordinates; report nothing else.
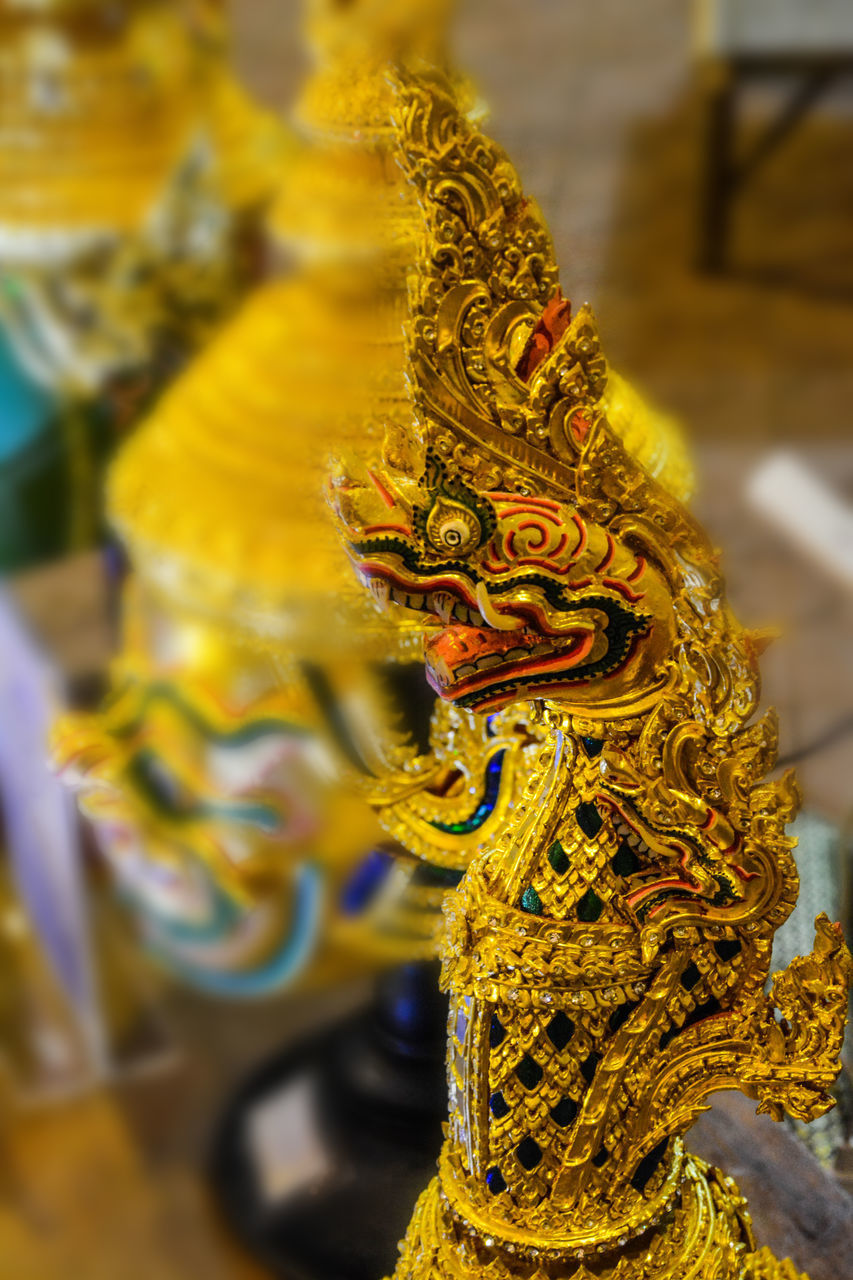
(531, 902)
(625, 862)
(557, 858)
(589, 907)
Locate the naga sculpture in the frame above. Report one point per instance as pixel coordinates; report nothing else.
(607, 957)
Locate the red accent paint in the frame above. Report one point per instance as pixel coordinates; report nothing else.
(580, 425)
(383, 491)
(560, 548)
(584, 536)
(639, 894)
(534, 666)
(373, 529)
(608, 559)
(553, 323)
(639, 571)
(541, 530)
(451, 693)
(617, 585)
(528, 509)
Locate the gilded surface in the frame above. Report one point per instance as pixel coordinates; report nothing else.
(607, 958)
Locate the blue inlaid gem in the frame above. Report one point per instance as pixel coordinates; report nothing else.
(529, 1153)
(621, 1015)
(589, 1066)
(558, 859)
(494, 770)
(589, 907)
(560, 1030)
(564, 1112)
(589, 819)
(625, 861)
(499, 1105)
(495, 1181)
(528, 1072)
(497, 1035)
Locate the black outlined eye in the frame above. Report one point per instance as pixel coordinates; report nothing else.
(452, 527)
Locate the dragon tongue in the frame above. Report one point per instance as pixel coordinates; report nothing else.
(453, 646)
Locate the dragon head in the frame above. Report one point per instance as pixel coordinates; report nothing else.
(529, 597)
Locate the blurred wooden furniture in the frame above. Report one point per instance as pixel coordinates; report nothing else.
(797, 1208)
(739, 43)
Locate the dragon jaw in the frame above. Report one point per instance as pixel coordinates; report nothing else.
(528, 598)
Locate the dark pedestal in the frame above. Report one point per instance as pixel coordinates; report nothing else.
(378, 1100)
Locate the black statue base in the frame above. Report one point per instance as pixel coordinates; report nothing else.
(355, 1116)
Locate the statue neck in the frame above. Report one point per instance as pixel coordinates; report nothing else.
(550, 1002)
(607, 963)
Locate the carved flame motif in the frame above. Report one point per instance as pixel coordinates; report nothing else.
(607, 957)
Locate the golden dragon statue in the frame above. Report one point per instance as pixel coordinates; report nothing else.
(607, 957)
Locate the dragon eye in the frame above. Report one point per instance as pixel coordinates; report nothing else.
(453, 527)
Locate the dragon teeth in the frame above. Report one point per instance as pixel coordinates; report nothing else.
(489, 660)
(442, 604)
(380, 591)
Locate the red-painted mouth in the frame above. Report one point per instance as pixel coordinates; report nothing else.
(530, 638)
(467, 662)
(451, 601)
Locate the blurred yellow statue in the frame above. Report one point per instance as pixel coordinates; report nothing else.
(242, 593)
(128, 213)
